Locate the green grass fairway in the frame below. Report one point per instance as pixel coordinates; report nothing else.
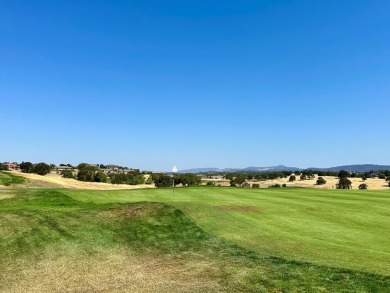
(340, 228)
(200, 240)
(7, 178)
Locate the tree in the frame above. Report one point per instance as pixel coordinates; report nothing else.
(292, 178)
(100, 177)
(67, 174)
(41, 169)
(343, 174)
(86, 172)
(210, 183)
(255, 185)
(188, 179)
(303, 177)
(26, 167)
(321, 181)
(344, 183)
(163, 181)
(363, 186)
(3, 167)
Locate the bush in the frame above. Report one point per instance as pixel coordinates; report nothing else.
(67, 174)
(321, 181)
(41, 169)
(292, 178)
(284, 185)
(210, 183)
(246, 185)
(275, 186)
(363, 186)
(255, 185)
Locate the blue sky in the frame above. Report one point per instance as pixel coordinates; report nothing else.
(196, 83)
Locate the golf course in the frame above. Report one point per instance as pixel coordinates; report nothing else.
(199, 239)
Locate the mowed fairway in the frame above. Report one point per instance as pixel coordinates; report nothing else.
(200, 240)
(339, 228)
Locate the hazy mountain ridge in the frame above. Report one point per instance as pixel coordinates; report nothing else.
(350, 168)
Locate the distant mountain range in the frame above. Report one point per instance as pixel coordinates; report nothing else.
(350, 168)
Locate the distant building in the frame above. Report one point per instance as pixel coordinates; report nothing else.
(62, 168)
(11, 166)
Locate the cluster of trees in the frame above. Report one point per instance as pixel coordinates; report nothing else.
(90, 173)
(187, 179)
(40, 168)
(261, 176)
(131, 178)
(3, 167)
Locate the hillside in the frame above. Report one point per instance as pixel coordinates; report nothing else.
(351, 168)
(56, 181)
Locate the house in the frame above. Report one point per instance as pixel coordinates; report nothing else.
(63, 168)
(11, 166)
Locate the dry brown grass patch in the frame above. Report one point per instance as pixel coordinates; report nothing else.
(115, 271)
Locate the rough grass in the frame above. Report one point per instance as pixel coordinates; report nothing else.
(7, 179)
(50, 242)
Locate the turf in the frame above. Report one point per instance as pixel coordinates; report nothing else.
(67, 240)
(7, 179)
(339, 228)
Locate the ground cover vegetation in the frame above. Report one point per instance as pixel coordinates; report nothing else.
(152, 241)
(7, 179)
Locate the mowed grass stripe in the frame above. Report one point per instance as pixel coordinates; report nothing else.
(347, 228)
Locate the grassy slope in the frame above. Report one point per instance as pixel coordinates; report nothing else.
(347, 229)
(7, 178)
(50, 242)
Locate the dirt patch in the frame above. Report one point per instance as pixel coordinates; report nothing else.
(239, 208)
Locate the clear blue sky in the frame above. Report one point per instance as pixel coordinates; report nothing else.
(196, 83)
